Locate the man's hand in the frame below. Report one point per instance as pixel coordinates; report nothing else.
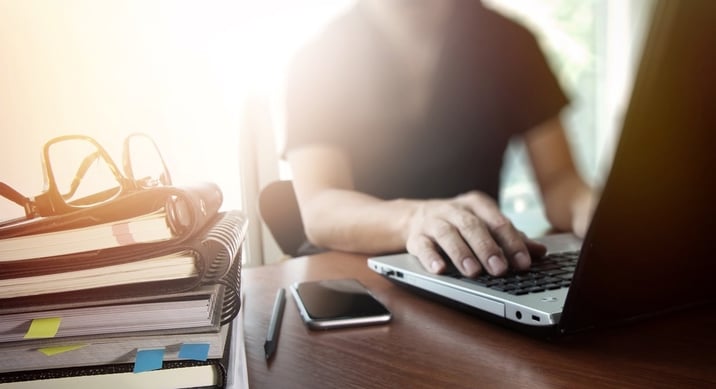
(473, 233)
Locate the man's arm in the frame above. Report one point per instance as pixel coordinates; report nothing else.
(469, 228)
(335, 215)
(568, 200)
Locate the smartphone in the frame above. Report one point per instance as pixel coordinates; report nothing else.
(338, 303)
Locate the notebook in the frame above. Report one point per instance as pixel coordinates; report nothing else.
(648, 250)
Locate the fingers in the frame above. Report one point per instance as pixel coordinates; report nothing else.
(427, 248)
(466, 241)
(515, 252)
(448, 235)
(536, 249)
(423, 247)
(475, 236)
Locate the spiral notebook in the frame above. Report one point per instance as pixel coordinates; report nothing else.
(113, 362)
(140, 217)
(126, 274)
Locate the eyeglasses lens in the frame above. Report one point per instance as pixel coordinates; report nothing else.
(82, 174)
(145, 163)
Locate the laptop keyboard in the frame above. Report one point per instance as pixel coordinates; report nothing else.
(554, 271)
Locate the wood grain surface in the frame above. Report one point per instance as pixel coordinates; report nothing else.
(430, 345)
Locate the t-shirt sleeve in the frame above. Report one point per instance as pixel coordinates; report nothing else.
(533, 90)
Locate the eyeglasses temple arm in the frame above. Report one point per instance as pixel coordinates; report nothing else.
(16, 197)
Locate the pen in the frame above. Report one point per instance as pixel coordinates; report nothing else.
(275, 323)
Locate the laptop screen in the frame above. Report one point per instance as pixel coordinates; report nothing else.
(656, 219)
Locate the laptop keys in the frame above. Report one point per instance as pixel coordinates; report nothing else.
(555, 271)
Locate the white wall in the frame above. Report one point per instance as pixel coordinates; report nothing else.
(108, 68)
(179, 70)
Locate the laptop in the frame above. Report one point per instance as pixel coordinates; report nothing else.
(650, 246)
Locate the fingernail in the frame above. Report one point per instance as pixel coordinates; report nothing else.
(497, 264)
(469, 265)
(523, 260)
(435, 266)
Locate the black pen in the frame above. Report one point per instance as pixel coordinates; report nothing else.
(275, 323)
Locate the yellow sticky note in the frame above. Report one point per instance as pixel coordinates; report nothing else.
(50, 351)
(43, 328)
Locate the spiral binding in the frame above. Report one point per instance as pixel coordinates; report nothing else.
(224, 243)
(232, 292)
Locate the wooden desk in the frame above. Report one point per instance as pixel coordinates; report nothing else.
(428, 345)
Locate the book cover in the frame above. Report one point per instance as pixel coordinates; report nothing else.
(172, 375)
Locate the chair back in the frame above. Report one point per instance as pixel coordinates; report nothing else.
(279, 210)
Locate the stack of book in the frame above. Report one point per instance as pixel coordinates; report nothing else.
(130, 302)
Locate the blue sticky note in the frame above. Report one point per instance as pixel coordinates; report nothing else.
(195, 351)
(150, 359)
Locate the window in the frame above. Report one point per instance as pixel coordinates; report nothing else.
(592, 46)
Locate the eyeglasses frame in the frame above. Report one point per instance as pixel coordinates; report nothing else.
(51, 202)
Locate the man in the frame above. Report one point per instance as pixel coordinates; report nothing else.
(398, 116)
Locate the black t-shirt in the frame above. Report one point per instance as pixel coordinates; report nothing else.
(492, 82)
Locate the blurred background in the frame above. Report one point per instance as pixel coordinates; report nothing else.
(203, 79)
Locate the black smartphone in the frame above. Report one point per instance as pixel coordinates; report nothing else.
(338, 303)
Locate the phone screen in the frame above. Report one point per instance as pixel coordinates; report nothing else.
(335, 303)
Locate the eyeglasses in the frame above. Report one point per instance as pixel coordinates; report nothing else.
(79, 173)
